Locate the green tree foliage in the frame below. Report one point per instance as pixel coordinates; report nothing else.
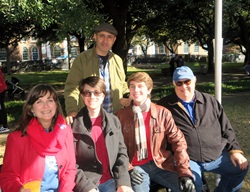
(48, 20)
(160, 20)
(71, 18)
(190, 21)
(127, 17)
(142, 39)
(16, 23)
(236, 22)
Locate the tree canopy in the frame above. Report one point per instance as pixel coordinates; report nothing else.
(164, 22)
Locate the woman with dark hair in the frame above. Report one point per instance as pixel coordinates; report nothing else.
(101, 154)
(41, 149)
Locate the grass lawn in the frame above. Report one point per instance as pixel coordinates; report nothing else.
(235, 91)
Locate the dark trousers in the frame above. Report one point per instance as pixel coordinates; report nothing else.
(3, 114)
(172, 68)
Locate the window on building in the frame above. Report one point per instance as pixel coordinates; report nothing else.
(157, 49)
(25, 54)
(196, 48)
(185, 48)
(35, 53)
(73, 52)
(138, 50)
(161, 49)
(73, 38)
(205, 50)
(3, 56)
(33, 39)
(57, 51)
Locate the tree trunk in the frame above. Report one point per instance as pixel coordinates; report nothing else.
(81, 41)
(69, 50)
(121, 45)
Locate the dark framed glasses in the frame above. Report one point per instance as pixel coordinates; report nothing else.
(89, 93)
(180, 83)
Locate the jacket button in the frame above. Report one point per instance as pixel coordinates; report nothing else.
(89, 147)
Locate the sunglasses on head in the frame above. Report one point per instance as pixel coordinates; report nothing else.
(89, 93)
(180, 83)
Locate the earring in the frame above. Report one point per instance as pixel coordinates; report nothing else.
(34, 114)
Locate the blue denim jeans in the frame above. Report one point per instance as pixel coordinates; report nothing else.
(150, 171)
(108, 186)
(231, 177)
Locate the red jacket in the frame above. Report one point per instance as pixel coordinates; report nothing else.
(3, 85)
(22, 163)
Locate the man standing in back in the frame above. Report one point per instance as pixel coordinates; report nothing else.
(98, 61)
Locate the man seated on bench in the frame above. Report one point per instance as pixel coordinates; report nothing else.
(212, 145)
(148, 129)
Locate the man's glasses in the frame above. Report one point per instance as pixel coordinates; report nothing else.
(89, 93)
(180, 83)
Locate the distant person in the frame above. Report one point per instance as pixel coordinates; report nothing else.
(3, 115)
(156, 146)
(212, 145)
(173, 63)
(247, 68)
(180, 61)
(102, 62)
(41, 148)
(101, 154)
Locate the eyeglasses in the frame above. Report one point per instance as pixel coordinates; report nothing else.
(180, 83)
(89, 93)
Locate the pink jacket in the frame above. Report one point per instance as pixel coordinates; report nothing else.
(3, 85)
(22, 163)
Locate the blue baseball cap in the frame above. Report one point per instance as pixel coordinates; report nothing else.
(183, 72)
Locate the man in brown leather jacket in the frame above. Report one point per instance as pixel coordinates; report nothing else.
(156, 147)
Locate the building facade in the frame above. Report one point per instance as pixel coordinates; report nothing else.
(31, 50)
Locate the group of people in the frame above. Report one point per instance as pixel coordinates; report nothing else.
(114, 138)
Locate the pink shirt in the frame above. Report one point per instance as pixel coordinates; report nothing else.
(101, 150)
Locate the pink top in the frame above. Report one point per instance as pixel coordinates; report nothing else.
(101, 150)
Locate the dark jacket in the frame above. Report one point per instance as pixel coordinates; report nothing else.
(164, 134)
(212, 131)
(90, 168)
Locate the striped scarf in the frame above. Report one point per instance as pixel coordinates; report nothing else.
(140, 131)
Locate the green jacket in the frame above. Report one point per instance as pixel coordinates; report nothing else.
(87, 64)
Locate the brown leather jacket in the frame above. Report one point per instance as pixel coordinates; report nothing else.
(168, 144)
